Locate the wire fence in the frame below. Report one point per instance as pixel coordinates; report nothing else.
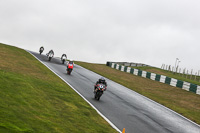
(185, 73)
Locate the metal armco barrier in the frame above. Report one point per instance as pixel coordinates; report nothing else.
(161, 78)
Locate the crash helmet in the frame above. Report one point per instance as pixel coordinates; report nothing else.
(71, 62)
(102, 80)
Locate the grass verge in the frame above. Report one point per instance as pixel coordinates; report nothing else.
(33, 99)
(181, 101)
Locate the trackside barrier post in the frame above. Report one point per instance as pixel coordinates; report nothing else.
(120, 67)
(109, 64)
(148, 75)
(157, 77)
(167, 80)
(132, 71)
(139, 73)
(179, 84)
(125, 69)
(193, 88)
(115, 66)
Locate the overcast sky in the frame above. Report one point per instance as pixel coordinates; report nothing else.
(144, 31)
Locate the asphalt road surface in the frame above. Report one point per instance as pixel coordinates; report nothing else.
(122, 106)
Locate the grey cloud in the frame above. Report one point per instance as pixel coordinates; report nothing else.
(152, 32)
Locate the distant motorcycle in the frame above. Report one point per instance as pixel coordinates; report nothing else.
(50, 56)
(41, 50)
(63, 59)
(99, 91)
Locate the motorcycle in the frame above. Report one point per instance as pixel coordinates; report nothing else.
(69, 68)
(41, 50)
(63, 59)
(100, 88)
(50, 56)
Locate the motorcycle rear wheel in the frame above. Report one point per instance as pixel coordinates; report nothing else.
(98, 98)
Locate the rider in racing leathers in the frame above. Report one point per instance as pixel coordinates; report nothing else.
(100, 81)
(70, 64)
(51, 51)
(42, 48)
(63, 55)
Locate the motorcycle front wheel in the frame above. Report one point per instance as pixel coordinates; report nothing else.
(97, 95)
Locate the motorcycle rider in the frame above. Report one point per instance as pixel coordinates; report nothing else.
(70, 64)
(41, 49)
(50, 52)
(63, 55)
(100, 81)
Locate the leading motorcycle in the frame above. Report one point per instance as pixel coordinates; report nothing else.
(100, 88)
(41, 50)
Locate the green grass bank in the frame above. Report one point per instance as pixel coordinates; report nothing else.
(33, 99)
(184, 102)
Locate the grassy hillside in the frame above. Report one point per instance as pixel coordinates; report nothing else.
(33, 99)
(177, 99)
(178, 76)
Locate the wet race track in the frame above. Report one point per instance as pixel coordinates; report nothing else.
(122, 106)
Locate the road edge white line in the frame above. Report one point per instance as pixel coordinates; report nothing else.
(112, 125)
